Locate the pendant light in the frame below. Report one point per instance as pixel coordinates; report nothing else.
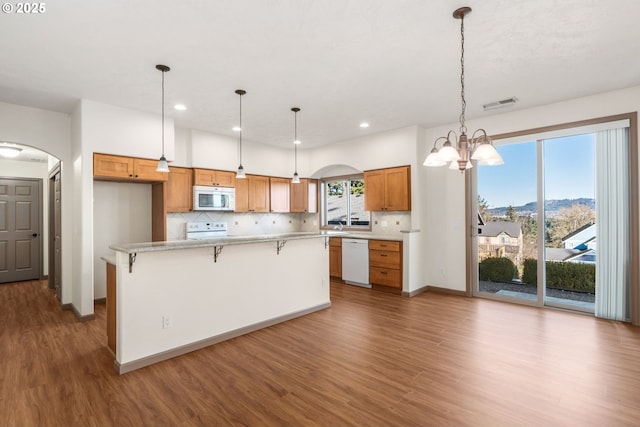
(240, 173)
(296, 142)
(478, 148)
(162, 162)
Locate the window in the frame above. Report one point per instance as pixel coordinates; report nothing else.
(343, 203)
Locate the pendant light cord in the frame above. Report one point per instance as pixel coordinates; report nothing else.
(463, 127)
(295, 139)
(163, 113)
(240, 129)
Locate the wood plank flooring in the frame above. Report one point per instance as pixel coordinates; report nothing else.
(372, 359)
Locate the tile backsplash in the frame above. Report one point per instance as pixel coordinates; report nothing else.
(243, 223)
(271, 223)
(390, 222)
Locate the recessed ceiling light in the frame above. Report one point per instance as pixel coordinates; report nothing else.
(180, 107)
(297, 141)
(9, 150)
(364, 125)
(236, 128)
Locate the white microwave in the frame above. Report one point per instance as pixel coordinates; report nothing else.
(214, 198)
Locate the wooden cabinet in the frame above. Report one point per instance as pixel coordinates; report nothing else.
(335, 257)
(304, 196)
(180, 190)
(279, 194)
(122, 168)
(215, 178)
(388, 189)
(111, 306)
(252, 194)
(385, 263)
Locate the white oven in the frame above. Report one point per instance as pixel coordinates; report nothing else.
(214, 198)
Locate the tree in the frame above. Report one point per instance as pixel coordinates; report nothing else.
(511, 214)
(567, 221)
(483, 209)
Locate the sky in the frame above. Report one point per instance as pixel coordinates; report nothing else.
(569, 168)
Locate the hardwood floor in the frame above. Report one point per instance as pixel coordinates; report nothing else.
(373, 359)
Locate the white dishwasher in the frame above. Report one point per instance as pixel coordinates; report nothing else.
(355, 262)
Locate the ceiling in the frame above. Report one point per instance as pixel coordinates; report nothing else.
(390, 63)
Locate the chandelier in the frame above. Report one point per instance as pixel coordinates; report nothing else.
(479, 147)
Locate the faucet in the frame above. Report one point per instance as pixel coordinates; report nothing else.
(340, 226)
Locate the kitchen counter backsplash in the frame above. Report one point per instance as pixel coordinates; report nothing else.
(390, 222)
(243, 224)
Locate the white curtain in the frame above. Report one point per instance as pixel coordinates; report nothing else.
(612, 222)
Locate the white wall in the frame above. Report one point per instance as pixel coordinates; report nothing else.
(39, 170)
(50, 132)
(121, 214)
(214, 151)
(113, 130)
(442, 219)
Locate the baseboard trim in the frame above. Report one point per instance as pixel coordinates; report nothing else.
(100, 300)
(76, 313)
(445, 291)
(415, 292)
(188, 348)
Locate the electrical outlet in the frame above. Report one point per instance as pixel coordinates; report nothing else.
(167, 321)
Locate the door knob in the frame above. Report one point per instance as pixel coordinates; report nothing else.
(34, 235)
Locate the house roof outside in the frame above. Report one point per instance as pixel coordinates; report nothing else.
(495, 228)
(580, 230)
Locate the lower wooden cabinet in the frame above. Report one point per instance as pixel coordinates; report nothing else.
(335, 257)
(111, 306)
(385, 263)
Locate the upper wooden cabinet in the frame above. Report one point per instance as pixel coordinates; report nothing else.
(180, 190)
(252, 194)
(279, 194)
(214, 178)
(388, 189)
(304, 196)
(122, 168)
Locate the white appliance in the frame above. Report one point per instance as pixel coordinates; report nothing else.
(355, 262)
(206, 230)
(213, 198)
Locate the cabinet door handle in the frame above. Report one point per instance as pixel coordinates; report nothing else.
(383, 254)
(383, 272)
(130, 175)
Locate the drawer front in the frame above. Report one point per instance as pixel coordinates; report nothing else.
(385, 276)
(384, 258)
(384, 245)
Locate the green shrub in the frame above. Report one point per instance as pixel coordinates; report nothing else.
(562, 275)
(530, 271)
(497, 270)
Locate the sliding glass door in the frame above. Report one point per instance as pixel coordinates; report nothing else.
(553, 222)
(507, 223)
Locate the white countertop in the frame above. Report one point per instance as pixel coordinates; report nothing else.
(221, 241)
(239, 240)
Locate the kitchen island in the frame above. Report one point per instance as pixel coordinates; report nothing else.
(175, 297)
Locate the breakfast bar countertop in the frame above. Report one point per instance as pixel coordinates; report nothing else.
(221, 241)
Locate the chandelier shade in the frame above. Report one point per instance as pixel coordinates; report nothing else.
(460, 150)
